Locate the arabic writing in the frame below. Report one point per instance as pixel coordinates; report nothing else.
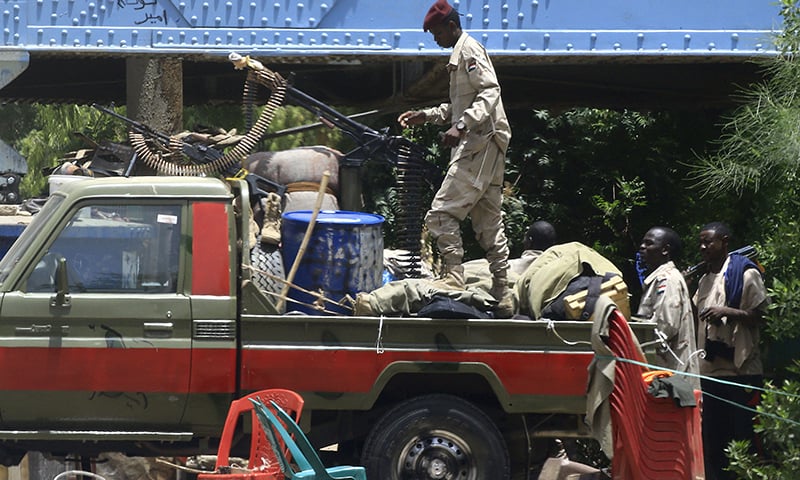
(151, 18)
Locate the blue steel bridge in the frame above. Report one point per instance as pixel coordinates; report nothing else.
(548, 53)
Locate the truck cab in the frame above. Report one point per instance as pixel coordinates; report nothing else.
(117, 305)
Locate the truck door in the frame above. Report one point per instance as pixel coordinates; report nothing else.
(116, 350)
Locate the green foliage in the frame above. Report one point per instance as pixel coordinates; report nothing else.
(783, 318)
(760, 141)
(788, 40)
(779, 431)
(515, 219)
(625, 197)
(290, 117)
(604, 177)
(54, 135)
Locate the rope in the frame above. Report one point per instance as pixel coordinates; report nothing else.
(307, 187)
(184, 468)
(697, 375)
(753, 410)
(551, 326)
(318, 295)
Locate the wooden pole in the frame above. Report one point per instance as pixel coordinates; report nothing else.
(323, 186)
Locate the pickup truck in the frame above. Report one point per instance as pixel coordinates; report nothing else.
(129, 321)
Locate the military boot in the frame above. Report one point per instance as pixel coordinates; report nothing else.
(271, 231)
(452, 278)
(506, 302)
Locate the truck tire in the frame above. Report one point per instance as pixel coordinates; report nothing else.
(440, 437)
(268, 259)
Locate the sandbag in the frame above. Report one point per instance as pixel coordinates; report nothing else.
(297, 165)
(294, 201)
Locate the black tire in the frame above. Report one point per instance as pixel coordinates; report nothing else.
(268, 259)
(439, 437)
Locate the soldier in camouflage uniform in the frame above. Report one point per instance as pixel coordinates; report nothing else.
(478, 135)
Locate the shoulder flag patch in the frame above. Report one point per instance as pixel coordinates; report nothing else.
(472, 66)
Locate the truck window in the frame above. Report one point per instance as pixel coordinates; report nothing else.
(115, 248)
(32, 231)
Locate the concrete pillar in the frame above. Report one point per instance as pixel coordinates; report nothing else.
(154, 89)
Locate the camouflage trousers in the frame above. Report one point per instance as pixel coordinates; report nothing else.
(410, 295)
(472, 187)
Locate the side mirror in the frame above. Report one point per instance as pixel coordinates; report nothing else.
(61, 298)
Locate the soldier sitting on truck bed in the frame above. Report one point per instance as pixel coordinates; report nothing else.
(540, 236)
(564, 282)
(412, 295)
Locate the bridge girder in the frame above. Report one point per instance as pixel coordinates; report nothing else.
(617, 53)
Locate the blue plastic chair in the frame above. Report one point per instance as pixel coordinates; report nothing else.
(308, 464)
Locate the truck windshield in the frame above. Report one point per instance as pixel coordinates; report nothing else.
(28, 235)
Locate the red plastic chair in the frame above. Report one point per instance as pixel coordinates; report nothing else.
(653, 437)
(263, 463)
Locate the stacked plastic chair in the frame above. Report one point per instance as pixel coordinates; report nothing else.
(653, 437)
(263, 463)
(306, 463)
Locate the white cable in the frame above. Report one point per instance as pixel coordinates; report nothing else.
(379, 343)
(78, 472)
(551, 326)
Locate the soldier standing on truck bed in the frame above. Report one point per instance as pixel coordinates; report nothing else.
(479, 134)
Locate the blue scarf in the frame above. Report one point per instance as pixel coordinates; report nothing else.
(734, 278)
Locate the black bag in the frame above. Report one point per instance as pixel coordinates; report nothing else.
(441, 306)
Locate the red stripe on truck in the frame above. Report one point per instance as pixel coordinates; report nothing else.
(146, 370)
(354, 371)
(351, 371)
(210, 249)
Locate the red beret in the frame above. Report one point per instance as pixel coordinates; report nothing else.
(436, 14)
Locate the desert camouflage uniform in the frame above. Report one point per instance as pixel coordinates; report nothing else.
(666, 301)
(474, 181)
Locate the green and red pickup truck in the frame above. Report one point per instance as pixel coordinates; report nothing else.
(128, 322)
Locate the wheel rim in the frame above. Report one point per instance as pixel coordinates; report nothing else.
(437, 455)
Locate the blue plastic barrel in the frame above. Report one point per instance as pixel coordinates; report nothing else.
(344, 256)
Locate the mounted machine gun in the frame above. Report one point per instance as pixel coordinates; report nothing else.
(412, 171)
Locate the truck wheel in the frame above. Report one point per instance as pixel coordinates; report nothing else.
(267, 259)
(439, 437)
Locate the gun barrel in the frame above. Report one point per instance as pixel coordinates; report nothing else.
(138, 127)
(326, 112)
(748, 251)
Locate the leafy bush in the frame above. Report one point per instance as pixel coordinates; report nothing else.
(778, 431)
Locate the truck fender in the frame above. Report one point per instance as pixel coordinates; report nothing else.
(439, 368)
